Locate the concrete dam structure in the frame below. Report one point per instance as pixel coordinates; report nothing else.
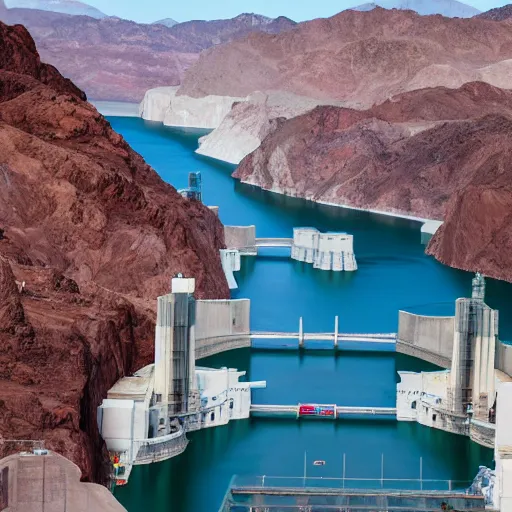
(464, 398)
(145, 417)
(325, 251)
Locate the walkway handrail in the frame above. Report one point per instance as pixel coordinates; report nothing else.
(161, 439)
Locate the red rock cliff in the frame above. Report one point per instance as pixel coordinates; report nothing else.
(433, 153)
(95, 235)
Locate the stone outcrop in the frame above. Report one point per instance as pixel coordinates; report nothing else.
(360, 57)
(90, 236)
(249, 122)
(434, 153)
(116, 59)
(163, 104)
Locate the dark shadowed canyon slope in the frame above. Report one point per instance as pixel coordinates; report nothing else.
(359, 57)
(115, 59)
(433, 153)
(95, 235)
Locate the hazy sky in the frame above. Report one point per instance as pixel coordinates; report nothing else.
(299, 10)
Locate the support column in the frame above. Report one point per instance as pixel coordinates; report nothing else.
(301, 333)
(336, 323)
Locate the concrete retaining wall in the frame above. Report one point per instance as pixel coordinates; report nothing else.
(51, 483)
(426, 337)
(482, 433)
(230, 259)
(222, 325)
(503, 360)
(241, 237)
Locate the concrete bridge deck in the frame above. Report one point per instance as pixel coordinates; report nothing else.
(289, 410)
(336, 337)
(325, 336)
(274, 242)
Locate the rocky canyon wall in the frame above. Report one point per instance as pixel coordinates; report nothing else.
(434, 153)
(249, 122)
(116, 59)
(361, 57)
(89, 236)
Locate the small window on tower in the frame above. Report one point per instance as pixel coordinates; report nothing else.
(212, 416)
(231, 404)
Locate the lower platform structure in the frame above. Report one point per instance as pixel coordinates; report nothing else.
(274, 494)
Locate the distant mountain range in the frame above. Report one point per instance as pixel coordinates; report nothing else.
(449, 8)
(63, 6)
(168, 22)
(115, 59)
(499, 14)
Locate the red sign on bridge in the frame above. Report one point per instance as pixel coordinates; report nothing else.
(323, 411)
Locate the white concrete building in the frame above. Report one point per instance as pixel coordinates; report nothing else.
(231, 262)
(223, 397)
(502, 496)
(462, 399)
(145, 417)
(326, 251)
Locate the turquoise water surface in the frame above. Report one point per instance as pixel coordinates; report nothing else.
(394, 273)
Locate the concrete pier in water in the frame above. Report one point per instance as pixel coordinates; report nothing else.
(325, 251)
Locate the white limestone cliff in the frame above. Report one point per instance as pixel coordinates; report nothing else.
(163, 104)
(248, 123)
(239, 124)
(156, 102)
